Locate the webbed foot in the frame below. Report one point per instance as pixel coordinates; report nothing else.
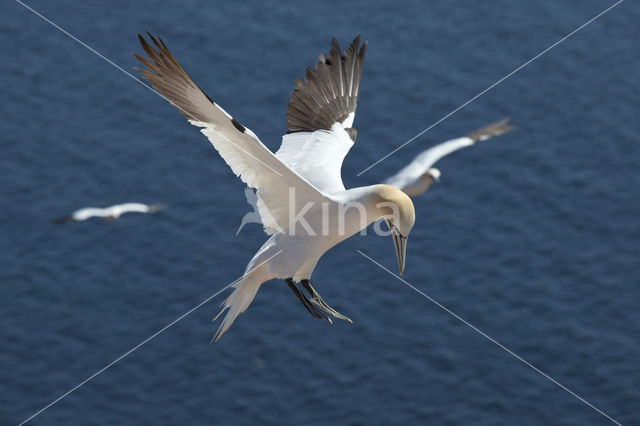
(317, 301)
(308, 304)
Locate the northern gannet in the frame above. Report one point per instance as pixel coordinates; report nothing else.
(302, 201)
(110, 213)
(416, 177)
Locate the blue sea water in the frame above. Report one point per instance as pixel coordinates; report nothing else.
(532, 237)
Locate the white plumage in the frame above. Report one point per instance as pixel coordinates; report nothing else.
(416, 177)
(110, 213)
(318, 155)
(302, 201)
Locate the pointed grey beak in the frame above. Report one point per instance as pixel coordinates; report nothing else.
(400, 243)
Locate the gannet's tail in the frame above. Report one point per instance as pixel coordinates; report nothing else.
(237, 302)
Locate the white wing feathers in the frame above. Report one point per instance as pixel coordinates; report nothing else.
(317, 156)
(414, 179)
(412, 172)
(88, 212)
(240, 148)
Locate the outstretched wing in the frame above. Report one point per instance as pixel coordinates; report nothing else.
(414, 178)
(239, 147)
(320, 117)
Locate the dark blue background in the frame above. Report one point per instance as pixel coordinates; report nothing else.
(533, 237)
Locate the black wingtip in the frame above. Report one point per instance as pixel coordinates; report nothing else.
(314, 103)
(237, 125)
(143, 41)
(154, 40)
(335, 51)
(363, 48)
(356, 41)
(162, 42)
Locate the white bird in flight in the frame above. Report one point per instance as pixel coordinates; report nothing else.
(110, 213)
(302, 202)
(417, 176)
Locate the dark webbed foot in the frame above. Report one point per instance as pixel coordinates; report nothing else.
(306, 302)
(317, 300)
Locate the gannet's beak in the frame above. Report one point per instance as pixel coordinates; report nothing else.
(400, 243)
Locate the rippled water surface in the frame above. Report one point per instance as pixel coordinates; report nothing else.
(532, 237)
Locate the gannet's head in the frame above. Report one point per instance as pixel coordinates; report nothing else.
(397, 209)
(434, 173)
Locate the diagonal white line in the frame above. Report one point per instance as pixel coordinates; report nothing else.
(134, 77)
(500, 345)
(143, 342)
(91, 49)
(494, 85)
(245, 151)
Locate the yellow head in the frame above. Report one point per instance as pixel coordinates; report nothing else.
(397, 209)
